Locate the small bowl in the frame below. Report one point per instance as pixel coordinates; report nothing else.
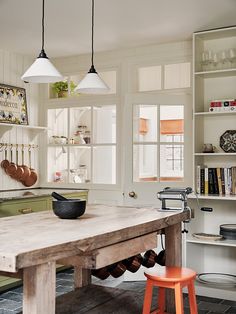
(70, 209)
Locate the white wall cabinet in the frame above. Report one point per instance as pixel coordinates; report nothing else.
(214, 78)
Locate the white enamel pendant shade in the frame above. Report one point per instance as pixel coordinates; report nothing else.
(92, 84)
(42, 71)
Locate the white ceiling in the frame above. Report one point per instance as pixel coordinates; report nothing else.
(118, 23)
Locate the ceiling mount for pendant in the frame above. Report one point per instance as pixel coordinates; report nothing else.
(42, 70)
(92, 82)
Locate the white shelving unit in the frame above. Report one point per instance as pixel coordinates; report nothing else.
(207, 256)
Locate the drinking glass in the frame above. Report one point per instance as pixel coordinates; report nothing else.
(207, 60)
(232, 57)
(224, 60)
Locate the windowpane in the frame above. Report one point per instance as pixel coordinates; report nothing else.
(144, 163)
(104, 124)
(57, 164)
(149, 78)
(80, 164)
(80, 125)
(144, 123)
(171, 162)
(104, 164)
(172, 123)
(177, 75)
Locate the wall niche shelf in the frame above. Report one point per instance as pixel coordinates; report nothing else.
(211, 84)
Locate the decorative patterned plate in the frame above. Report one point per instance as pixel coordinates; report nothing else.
(217, 279)
(207, 236)
(228, 141)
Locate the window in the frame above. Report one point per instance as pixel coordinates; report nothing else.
(158, 143)
(82, 144)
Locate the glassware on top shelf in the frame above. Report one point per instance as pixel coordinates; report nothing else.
(224, 62)
(207, 60)
(232, 57)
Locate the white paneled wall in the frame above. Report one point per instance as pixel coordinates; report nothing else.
(12, 66)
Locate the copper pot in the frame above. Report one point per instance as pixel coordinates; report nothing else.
(5, 163)
(101, 273)
(25, 168)
(19, 171)
(149, 259)
(161, 258)
(133, 263)
(11, 169)
(117, 269)
(33, 177)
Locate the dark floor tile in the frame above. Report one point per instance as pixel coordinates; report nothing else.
(133, 286)
(17, 290)
(65, 276)
(228, 302)
(9, 305)
(10, 295)
(231, 310)
(187, 311)
(208, 299)
(64, 283)
(63, 289)
(213, 307)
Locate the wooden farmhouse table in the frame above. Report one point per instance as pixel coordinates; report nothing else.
(30, 246)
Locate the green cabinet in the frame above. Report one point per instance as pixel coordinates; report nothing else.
(26, 206)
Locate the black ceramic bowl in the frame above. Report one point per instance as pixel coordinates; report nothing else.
(69, 209)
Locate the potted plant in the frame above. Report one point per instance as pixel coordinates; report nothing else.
(61, 88)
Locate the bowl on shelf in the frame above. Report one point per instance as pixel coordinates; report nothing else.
(69, 209)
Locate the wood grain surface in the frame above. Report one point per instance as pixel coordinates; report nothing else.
(38, 238)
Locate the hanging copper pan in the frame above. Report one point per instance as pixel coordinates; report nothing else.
(11, 169)
(5, 163)
(19, 171)
(25, 168)
(33, 177)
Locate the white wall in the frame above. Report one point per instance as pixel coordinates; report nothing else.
(12, 66)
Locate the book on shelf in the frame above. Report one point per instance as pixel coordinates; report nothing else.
(216, 181)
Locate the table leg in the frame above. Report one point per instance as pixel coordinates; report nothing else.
(39, 289)
(82, 277)
(173, 241)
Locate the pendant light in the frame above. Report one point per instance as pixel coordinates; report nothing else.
(92, 82)
(42, 70)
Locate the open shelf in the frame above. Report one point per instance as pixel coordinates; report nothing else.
(213, 197)
(215, 113)
(231, 243)
(215, 154)
(216, 73)
(30, 127)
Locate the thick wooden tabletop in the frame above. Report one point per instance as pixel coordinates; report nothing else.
(37, 238)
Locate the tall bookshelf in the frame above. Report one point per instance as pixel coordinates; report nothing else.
(214, 78)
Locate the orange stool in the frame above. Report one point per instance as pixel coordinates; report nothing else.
(174, 278)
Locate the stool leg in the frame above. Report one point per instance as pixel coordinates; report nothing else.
(147, 298)
(192, 298)
(161, 300)
(178, 299)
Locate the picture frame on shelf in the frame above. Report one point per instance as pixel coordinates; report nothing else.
(13, 105)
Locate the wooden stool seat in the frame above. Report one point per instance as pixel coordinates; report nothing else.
(173, 278)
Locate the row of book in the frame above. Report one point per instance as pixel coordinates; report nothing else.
(219, 181)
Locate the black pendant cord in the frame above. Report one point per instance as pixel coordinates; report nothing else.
(42, 52)
(92, 31)
(43, 25)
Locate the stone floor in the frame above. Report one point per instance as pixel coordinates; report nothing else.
(125, 298)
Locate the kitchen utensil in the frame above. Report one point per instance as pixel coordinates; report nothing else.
(5, 163)
(217, 279)
(149, 259)
(133, 263)
(228, 231)
(11, 169)
(19, 170)
(161, 258)
(33, 177)
(25, 168)
(117, 269)
(207, 236)
(101, 273)
(69, 209)
(59, 197)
